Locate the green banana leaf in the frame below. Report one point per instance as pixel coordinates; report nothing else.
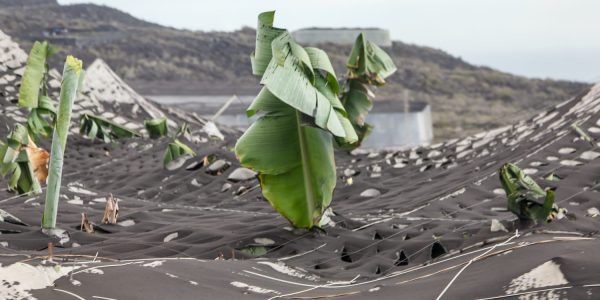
(526, 198)
(15, 163)
(40, 121)
(175, 150)
(93, 127)
(35, 73)
(291, 146)
(33, 93)
(265, 34)
(156, 127)
(367, 65)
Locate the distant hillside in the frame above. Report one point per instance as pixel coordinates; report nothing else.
(163, 60)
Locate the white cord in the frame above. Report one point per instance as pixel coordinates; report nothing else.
(474, 259)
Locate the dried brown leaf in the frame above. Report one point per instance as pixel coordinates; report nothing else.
(39, 159)
(86, 225)
(111, 211)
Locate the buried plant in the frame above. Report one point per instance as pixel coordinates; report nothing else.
(178, 152)
(72, 79)
(156, 127)
(291, 145)
(367, 65)
(23, 161)
(33, 93)
(93, 127)
(526, 198)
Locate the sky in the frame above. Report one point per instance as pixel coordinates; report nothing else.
(557, 39)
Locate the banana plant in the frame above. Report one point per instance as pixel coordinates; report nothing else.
(526, 198)
(93, 127)
(291, 146)
(33, 93)
(367, 65)
(156, 127)
(72, 80)
(16, 162)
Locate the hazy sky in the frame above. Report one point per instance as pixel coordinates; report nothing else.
(539, 38)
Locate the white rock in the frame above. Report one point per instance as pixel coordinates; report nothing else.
(589, 155)
(499, 192)
(75, 202)
(570, 163)
(593, 212)
(177, 163)
(434, 153)
(264, 241)
(241, 174)
(566, 150)
(370, 193)
(349, 172)
(126, 223)
(226, 186)
(497, 226)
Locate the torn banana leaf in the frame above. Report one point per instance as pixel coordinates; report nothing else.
(175, 150)
(33, 93)
(526, 198)
(33, 80)
(290, 146)
(40, 121)
(16, 163)
(367, 65)
(94, 127)
(156, 127)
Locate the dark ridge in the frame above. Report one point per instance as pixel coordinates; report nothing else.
(17, 3)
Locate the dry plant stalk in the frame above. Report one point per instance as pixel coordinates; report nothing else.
(111, 211)
(50, 250)
(86, 225)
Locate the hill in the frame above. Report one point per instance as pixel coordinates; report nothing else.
(162, 60)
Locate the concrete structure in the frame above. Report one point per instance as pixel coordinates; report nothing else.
(341, 36)
(396, 124)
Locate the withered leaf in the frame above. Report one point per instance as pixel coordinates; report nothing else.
(111, 211)
(86, 225)
(39, 159)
